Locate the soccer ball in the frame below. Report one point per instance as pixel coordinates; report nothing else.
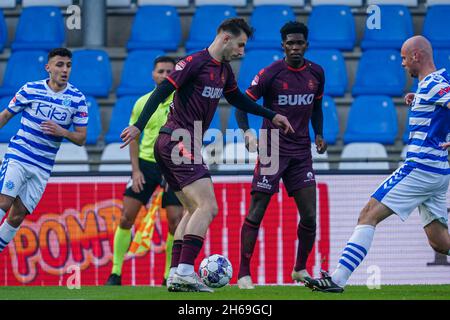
(215, 271)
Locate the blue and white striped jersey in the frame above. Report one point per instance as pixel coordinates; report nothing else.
(39, 103)
(429, 123)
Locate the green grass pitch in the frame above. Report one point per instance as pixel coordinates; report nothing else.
(297, 292)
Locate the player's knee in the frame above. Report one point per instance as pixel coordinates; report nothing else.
(16, 219)
(213, 209)
(126, 222)
(440, 247)
(308, 218)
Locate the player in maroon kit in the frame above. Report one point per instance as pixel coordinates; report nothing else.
(292, 87)
(199, 80)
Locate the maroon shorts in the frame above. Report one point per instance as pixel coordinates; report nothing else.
(180, 175)
(297, 173)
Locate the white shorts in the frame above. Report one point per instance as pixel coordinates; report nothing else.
(23, 180)
(408, 188)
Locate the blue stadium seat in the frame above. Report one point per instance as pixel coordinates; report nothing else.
(435, 26)
(211, 135)
(136, 76)
(339, 25)
(372, 119)
(13, 125)
(3, 31)
(267, 21)
(94, 124)
(397, 26)
(166, 33)
(91, 72)
(333, 63)
(22, 67)
(380, 73)
(120, 117)
(204, 25)
(330, 121)
(39, 28)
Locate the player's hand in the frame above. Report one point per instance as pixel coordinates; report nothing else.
(138, 181)
(445, 145)
(251, 141)
(129, 134)
(321, 144)
(283, 123)
(409, 97)
(52, 128)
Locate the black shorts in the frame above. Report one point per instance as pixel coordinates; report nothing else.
(153, 178)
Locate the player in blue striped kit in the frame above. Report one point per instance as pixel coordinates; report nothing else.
(49, 108)
(422, 181)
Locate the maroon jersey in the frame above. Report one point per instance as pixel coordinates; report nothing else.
(200, 81)
(290, 92)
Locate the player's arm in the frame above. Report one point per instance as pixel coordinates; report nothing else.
(161, 93)
(251, 140)
(5, 116)
(242, 102)
(78, 136)
(136, 173)
(317, 124)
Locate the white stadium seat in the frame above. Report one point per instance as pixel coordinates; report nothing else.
(237, 157)
(295, 3)
(409, 3)
(7, 3)
(177, 3)
(353, 3)
(237, 3)
(316, 155)
(71, 152)
(57, 3)
(364, 151)
(112, 152)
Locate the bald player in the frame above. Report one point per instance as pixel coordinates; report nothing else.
(422, 181)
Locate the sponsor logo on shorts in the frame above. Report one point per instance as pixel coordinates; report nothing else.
(264, 184)
(10, 185)
(309, 176)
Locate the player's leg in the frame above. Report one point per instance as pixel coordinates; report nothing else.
(200, 193)
(434, 216)
(122, 237)
(5, 203)
(305, 199)
(438, 237)
(132, 203)
(174, 210)
(249, 235)
(179, 233)
(356, 249)
(11, 225)
(300, 183)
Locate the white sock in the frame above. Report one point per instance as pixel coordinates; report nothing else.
(172, 271)
(7, 233)
(185, 269)
(354, 252)
(2, 214)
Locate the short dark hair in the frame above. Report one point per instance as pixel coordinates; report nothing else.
(62, 52)
(236, 26)
(162, 59)
(294, 27)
